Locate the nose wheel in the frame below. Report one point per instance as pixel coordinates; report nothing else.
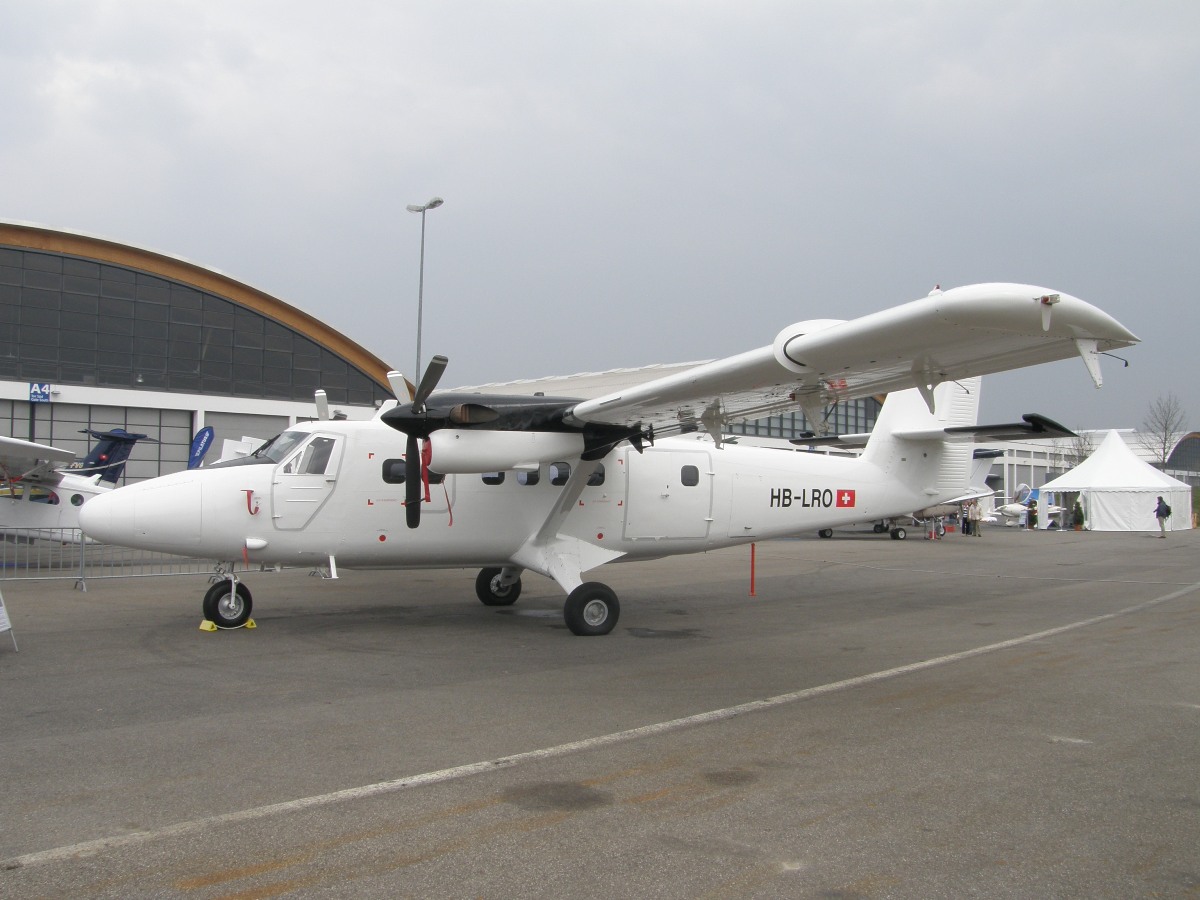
(226, 605)
(491, 589)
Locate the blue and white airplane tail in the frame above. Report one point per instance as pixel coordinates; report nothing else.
(108, 457)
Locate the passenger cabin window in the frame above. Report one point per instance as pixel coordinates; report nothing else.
(689, 476)
(597, 477)
(529, 478)
(493, 478)
(560, 472)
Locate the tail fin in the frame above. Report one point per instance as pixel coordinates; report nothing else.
(909, 441)
(108, 457)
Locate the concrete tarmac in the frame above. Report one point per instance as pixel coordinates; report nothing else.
(1014, 715)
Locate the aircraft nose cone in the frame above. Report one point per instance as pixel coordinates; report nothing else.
(161, 514)
(95, 517)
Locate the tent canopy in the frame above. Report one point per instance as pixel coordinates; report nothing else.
(1118, 490)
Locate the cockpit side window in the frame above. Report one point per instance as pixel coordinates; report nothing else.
(315, 458)
(278, 447)
(311, 459)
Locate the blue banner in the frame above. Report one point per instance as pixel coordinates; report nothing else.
(200, 444)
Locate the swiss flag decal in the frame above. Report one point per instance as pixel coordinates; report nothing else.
(845, 498)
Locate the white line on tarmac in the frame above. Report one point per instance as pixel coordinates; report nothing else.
(91, 848)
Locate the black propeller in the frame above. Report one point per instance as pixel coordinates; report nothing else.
(414, 469)
(429, 381)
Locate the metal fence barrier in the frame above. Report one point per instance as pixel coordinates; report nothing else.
(64, 553)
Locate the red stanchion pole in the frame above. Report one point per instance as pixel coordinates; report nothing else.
(753, 549)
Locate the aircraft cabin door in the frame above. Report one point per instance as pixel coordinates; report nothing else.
(305, 480)
(669, 494)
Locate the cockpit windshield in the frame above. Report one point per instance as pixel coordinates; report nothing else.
(278, 447)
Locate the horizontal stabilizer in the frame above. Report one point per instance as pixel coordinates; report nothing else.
(1032, 427)
(833, 440)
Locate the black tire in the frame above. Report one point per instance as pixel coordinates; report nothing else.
(591, 609)
(825, 533)
(226, 608)
(489, 591)
(879, 528)
(899, 534)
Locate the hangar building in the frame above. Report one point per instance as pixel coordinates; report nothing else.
(97, 334)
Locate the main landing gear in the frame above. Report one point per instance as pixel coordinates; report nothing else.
(591, 609)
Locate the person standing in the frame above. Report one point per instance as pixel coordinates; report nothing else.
(975, 517)
(1162, 512)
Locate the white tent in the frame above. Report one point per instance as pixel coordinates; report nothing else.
(1119, 491)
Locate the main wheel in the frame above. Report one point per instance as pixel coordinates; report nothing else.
(491, 592)
(227, 608)
(825, 533)
(591, 609)
(879, 528)
(899, 534)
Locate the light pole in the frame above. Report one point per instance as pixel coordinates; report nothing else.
(422, 209)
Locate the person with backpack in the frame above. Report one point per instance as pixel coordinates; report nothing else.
(1162, 512)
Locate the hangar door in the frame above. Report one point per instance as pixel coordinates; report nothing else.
(668, 494)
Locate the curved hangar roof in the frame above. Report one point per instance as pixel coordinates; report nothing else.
(82, 310)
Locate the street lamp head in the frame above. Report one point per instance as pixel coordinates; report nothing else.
(432, 204)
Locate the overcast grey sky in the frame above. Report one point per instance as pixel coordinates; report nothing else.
(633, 182)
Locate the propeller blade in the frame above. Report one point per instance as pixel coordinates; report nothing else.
(322, 405)
(402, 388)
(412, 482)
(429, 381)
(472, 414)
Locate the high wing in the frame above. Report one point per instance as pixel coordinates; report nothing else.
(946, 336)
(27, 461)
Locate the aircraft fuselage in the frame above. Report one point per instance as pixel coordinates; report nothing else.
(682, 495)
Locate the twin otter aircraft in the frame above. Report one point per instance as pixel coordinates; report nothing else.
(560, 486)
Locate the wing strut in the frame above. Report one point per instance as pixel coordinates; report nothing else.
(557, 555)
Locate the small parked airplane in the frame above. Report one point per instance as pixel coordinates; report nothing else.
(559, 486)
(36, 479)
(1018, 509)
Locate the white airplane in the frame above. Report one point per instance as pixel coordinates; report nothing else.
(1019, 507)
(558, 486)
(42, 488)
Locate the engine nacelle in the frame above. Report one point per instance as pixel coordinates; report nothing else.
(469, 452)
(784, 340)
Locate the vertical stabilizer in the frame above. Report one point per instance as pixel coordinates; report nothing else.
(906, 444)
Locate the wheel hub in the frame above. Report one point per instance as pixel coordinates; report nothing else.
(595, 612)
(230, 605)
